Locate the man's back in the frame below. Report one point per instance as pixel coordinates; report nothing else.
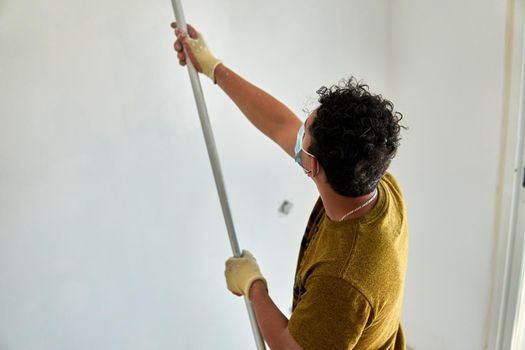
(349, 282)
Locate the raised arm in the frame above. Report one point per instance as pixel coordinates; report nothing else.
(264, 111)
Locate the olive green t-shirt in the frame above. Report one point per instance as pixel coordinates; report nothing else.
(348, 288)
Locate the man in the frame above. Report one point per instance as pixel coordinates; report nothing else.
(350, 274)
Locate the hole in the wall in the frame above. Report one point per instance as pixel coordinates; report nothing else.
(285, 207)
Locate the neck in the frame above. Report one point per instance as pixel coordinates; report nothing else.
(336, 205)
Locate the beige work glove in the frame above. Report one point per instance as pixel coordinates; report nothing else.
(241, 273)
(196, 48)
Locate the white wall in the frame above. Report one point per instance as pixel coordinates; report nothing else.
(447, 75)
(111, 236)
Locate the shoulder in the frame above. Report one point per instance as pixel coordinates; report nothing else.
(331, 314)
(391, 183)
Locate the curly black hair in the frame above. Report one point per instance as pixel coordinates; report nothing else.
(355, 136)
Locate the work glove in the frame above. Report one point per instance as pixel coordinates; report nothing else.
(196, 48)
(241, 273)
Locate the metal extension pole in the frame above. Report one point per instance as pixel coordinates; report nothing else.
(214, 160)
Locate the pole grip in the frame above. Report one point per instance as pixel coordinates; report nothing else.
(216, 168)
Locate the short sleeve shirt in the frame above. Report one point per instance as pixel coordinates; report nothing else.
(350, 275)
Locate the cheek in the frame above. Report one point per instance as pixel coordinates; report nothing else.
(303, 159)
(306, 142)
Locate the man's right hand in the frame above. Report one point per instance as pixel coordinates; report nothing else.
(196, 48)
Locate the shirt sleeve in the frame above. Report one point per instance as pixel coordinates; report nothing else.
(330, 314)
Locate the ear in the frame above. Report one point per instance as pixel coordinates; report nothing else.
(316, 168)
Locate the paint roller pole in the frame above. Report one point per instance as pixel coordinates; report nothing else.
(214, 160)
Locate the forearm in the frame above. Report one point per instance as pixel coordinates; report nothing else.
(271, 320)
(262, 109)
